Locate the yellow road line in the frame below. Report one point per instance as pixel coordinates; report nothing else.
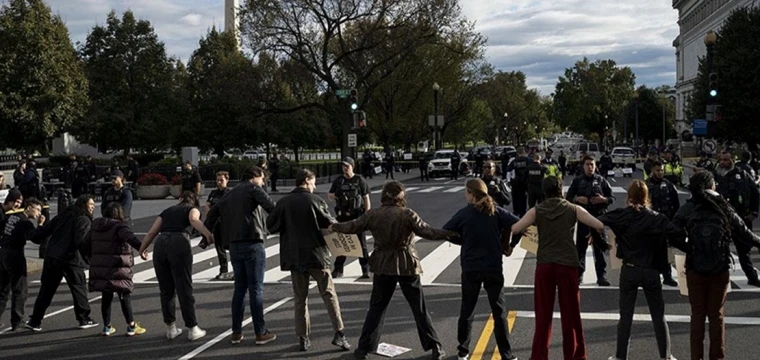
(511, 317)
(482, 344)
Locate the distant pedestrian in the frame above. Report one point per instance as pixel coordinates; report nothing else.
(298, 217)
(173, 262)
(395, 261)
(108, 245)
(120, 194)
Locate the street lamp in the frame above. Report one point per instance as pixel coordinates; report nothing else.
(436, 89)
(506, 126)
(664, 102)
(636, 101)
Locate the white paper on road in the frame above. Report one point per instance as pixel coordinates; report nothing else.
(344, 244)
(390, 350)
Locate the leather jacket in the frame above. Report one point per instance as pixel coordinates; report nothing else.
(242, 214)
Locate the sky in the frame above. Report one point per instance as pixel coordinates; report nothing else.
(539, 37)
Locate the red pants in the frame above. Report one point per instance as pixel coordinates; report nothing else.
(549, 277)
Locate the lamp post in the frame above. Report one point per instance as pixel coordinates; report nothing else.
(636, 102)
(664, 102)
(710, 40)
(436, 89)
(506, 127)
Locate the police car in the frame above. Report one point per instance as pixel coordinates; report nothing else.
(625, 158)
(441, 162)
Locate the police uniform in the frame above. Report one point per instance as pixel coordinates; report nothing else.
(455, 160)
(589, 186)
(552, 167)
(504, 163)
(424, 164)
(673, 171)
(706, 164)
(740, 191)
(81, 179)
(122, 196)
(519, 169)
(349, 199)
(15, 230)
(536, 173)
(189, 179)
(368, 169)
(478, 157)
(497, 190)
(389, 165)
(648, 164)
(664, 198)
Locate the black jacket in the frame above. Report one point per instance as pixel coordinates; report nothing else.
(66, 232)
(15, 229)
(298, 217)
(642, 236)
(239, 214)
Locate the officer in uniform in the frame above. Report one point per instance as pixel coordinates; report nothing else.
(562, 161)
(351, 195)
(518, 170)
(368, 169)
(605, 164)
(744, 164)
(118, 193)
(704, 163)
(649, 162)
(504, 163)
(591, 191)
(81, 179)
(739, 189)
(497, 188)
(191, 179)
(551, 165)
(274, 171)
(673, 169)
(424, 164)
(390, 165)
(455, 160)
(478, 157)
(664, 198)
(536, 172)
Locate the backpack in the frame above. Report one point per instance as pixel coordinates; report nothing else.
(709, 243)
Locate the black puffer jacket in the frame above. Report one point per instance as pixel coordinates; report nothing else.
(66, 232)
(241, 213)
(111, 259)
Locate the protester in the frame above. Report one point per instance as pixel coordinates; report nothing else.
(557, 268)
(111, 261)
(395, 261)
(173, 262)
(481, 225)
(642, 243)
(298, 217)
(222, 178)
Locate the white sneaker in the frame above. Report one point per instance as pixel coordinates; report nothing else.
(195, 333)
(466, 357)
(172, 332)
(612, 358)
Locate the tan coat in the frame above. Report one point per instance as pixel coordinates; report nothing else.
(393, 228)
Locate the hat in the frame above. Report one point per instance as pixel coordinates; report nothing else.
(652, 152)
(347, 161)
(13, 195)
(117, 173)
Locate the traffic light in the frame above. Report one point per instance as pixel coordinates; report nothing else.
(713, 84)
(353, 99)
(360, 119)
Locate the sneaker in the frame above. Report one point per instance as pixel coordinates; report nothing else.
(109, 330)
(172, 332)
(365, 275)
(14, 327)
(236, 338)
(33, 327)
(304, 343)
(86, 324)
(603, 282)
(225, 276)
(463, 357)
(754, 282)
(135, 329)
(195, 333)
(438, 353)
(340, 341)
(265, 338)
(612, 358)
(671, 357)
(669, 282)
(337, 274)
(360, 354)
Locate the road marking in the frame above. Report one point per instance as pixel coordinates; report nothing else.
(54, 313)
(228, 333)
(512, 265)
(430, 189)
(589, 275)
(454, 189)
(729, 320)
(352, 271)
(480, 347)
(511, 317)
(437, 261)
(410, 189)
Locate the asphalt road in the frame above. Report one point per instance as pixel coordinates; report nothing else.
(436, 202)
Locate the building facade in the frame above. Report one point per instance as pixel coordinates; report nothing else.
(695, 19)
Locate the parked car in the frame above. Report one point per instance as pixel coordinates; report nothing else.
(441, 163)
(625, 158)
(253, 154)
(485, 150)
(510, 150)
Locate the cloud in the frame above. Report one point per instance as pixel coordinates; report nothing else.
(539, 37)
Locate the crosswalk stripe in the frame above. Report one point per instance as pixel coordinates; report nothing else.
(589, 275)
(454, 189)
(430, 189)
(410, 189)
(352, 271)
(512, 265)
(437, 261)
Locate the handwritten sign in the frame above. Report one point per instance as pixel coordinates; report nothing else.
(390, 350)
(407, 156)
(529, 240)
(617, 262)
(344, 244)
(681, 270)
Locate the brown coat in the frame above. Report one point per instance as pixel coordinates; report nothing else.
(393, 228)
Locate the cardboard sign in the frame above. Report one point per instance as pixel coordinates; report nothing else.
(611, 172)
(616, 262)
(3, 195)
(681, 269)
(390, 350)
(378, 170)
(529, 240)
(627, 170)
(344, 244)
(407, 156)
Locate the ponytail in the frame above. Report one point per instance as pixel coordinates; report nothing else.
(483, 202)
(486, 205)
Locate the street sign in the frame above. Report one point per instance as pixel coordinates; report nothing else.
(432, 122)
(709, 146)
(700, 127)
(342, 93)
(351, 140)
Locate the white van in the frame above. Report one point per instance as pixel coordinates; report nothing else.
(588, 147)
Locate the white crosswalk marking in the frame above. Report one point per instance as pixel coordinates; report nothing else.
(430, 189)
(410, 189)
(454, 189)
(589, 275)
(352, 271)
(437, 261)
(512, 265)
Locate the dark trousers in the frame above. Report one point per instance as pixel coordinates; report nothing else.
(707, 296)
(742, 251)
(173, 262)
(454, 171)
(368, 170)
(273, 178)
(79, 187)
(13, 283)
(493, 283)
(649, 280)
(424, 174)
(519, 198)
(535, 195)
(549, 279)
(126, 307)
(478, 171)
(221, 252)
(383, 287)
(582, 244)
(53, 271)
(389, 169)
(340, 261)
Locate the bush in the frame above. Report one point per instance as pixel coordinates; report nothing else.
(176, 180)
(167, 161)
(150, 179)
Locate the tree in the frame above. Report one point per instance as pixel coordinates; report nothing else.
(735, 60)
(589, 91)
(508, 93)
(42, 84)
(131, 86)
(652, 105)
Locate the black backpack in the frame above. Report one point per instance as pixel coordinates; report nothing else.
(709, 243)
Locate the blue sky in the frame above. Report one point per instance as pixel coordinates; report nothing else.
(539, 37)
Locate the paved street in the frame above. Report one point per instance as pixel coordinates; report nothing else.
(435, 201)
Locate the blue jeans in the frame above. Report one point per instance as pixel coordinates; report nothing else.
(248, 263)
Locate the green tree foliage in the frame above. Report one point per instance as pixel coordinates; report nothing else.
(736, 60)
(42, 85)
(589, 91)
(508, 93)
(651, 104)
(131, 86)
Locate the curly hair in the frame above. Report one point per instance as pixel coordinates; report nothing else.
(698, 183)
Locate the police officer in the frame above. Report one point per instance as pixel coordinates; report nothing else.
(390, 165)
(479, 158)
(591, 191)
(562, 161)
(551, 165)
(664, 198)
(605, 164)
(497, 188)
(518, 170)
(118, 193)
(368, 169)
(704, 163)
(504, 163)
(424, 164)
(649, 162)
(455, 160)
(739, 189)
(191, 179)
(274, 171)
(351, 195)
(744, 164)
(536, 172)
(81, 179)
(673, 169)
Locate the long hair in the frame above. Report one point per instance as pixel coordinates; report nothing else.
(394, 193)
(81, 205)
(483, 202)
(638, 195)
(113, 210)
(189, 198)
(698, 183)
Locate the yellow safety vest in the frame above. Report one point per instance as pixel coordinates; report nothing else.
(552, 170)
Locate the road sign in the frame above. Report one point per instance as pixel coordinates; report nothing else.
(342, 93)
(432, 122)
(700, 127)
(709, 146)
(351, 140)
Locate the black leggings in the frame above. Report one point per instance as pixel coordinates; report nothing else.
(126, 307)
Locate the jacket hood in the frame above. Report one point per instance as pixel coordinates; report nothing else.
(552, 208)
(104, 224)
